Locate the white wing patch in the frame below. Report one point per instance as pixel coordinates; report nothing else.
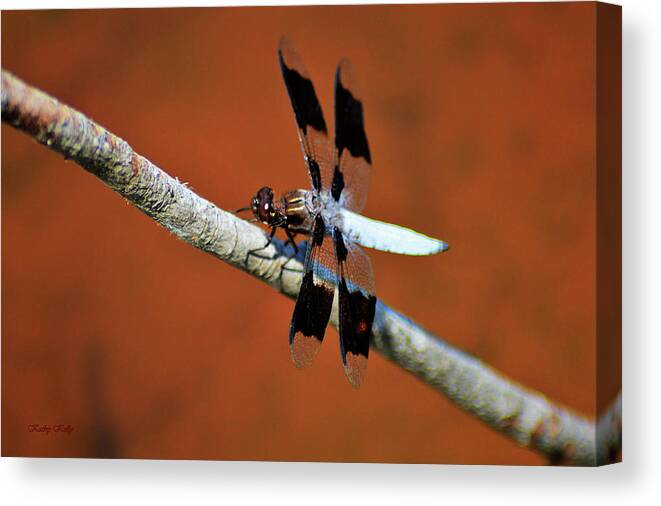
(388, 237)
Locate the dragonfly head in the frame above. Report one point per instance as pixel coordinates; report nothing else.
(262, 205)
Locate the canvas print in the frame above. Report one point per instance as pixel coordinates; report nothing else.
(232, 234)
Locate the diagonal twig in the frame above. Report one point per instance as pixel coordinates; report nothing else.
(525, 416)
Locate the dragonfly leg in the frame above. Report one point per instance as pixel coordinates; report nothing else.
(290, 240)
(252, 252)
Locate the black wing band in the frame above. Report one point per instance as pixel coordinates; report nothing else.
(352, 161)
(303, 98)
(357, 305)
(349, 122)
(310, 121)
(315, 298)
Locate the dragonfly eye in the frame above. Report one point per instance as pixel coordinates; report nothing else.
(263, 204)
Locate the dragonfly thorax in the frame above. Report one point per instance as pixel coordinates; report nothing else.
(330, 209)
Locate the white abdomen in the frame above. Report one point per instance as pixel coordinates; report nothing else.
(388, 237)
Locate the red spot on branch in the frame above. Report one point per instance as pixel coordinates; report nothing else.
(135, 165)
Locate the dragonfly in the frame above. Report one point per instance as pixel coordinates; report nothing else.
(328, 213)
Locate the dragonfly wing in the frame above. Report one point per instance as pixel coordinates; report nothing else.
(352, 160)
(315, 298)
(310, 121)
(357, 304)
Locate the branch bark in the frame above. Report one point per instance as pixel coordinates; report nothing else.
(525, 416)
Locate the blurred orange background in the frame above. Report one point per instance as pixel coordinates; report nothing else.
(481, 123)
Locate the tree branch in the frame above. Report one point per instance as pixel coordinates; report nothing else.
(524, 416)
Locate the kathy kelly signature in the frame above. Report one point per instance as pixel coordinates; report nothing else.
(46, 429)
